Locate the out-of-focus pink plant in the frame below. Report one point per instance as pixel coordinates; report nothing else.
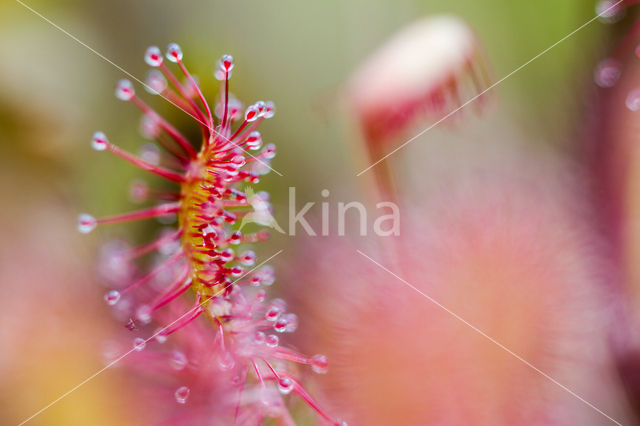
(505, 248)
(230, 368)
(422, 74)
(614, 160)
(495, 304)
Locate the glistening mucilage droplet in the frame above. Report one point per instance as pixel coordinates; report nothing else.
(182, 394)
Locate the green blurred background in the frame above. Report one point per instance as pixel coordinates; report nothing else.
(54, 93)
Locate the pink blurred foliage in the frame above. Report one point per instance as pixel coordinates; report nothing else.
(505, 244)
(517, 282)
(613, 160)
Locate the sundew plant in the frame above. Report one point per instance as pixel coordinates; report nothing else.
(238, 370)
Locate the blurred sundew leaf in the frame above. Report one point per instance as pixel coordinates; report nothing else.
(514, 32)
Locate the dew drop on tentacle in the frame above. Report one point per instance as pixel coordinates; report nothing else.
(125, 90)
(266, 275)
(150, 153)
(156, 83)
(259, 337)
(272, 313)
(285, 385)
(219, 74)
(174, 53)
(112, 297)
(280, 325)
(607, 73)
(633, 100)
(236, 271)
(209, 236)
(86, 223)
(159, 337)
(251, 113)
(261, 106)
(269, 151)
(143, 313)
(227, 255)
(149, 127)
(271, 340)
(292, 322)
(99, 141)
(238, 161)
(139, 344)
(226, 63)
(235, 238)
(319, 364)
(178, 360)
(269, 109)
(254, 140)
(182, 394)
(609, 11)
(153, 56)
(248, 258)
(138, 191)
